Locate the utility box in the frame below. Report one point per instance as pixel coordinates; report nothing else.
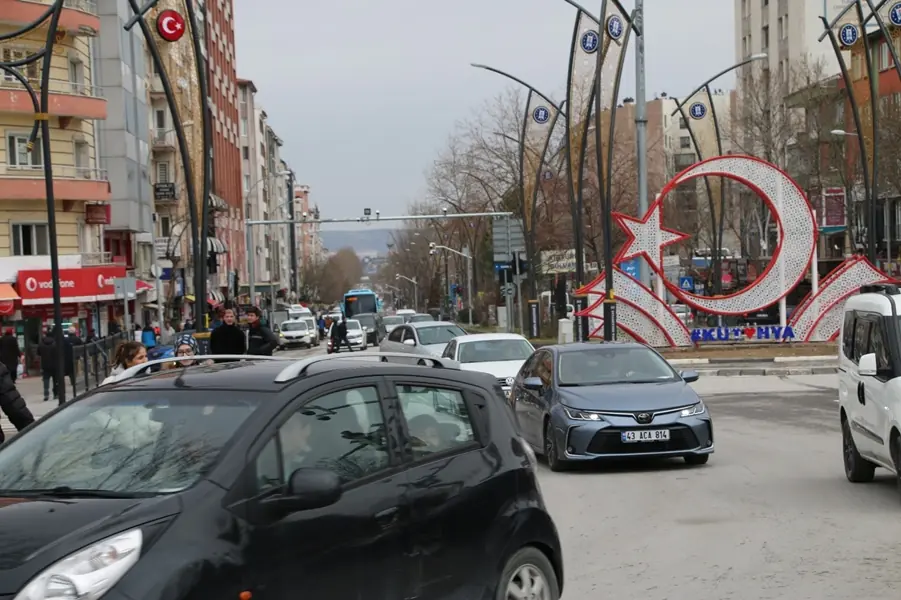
(565, 331)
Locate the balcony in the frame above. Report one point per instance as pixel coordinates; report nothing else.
(164, 192)
(95, 259)
(164, 139)
(79, 17)
(69, 183)
(156, 86)
(67, 98)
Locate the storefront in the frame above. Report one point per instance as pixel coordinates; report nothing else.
(85, 293)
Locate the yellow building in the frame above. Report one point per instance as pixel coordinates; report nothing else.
(74, 105)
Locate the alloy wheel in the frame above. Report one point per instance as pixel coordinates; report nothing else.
(528, 583)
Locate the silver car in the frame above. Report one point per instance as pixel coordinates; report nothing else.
(428, 338)
(392, 321)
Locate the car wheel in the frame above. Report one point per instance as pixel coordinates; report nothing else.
(551, 452)
(696, 459)
(528, 574)
(857, 468)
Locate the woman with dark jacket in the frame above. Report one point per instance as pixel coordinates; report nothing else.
(12, 404)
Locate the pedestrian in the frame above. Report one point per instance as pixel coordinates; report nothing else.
(12, 404)
(48, 356)
(128, 354)
(186, 346)
(168, 333)
(217, 320)
(342, 335)
(10, 353)
(321, 327)
(260, 339)
(70, 340)
(228, 337)
(148, 336)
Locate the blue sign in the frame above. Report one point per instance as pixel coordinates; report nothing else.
(630, 267)
(687, 284)
(740, 334)
(541, 115)
(502, 266)
(699, 288)
(848, 34)
(698, 110)
(615, 27)
(590, 42)
(894, 14)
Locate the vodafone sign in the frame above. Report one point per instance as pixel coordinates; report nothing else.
(87, 284)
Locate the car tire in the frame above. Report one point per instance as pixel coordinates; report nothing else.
(551, 452)
(528, 574)
(857, 468)
(696, 459)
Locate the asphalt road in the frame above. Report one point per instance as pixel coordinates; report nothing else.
(771, 516)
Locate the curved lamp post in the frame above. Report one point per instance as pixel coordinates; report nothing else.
(41, 127)
(412, 280)
(716, 225)
(248, 235)
(433, 247)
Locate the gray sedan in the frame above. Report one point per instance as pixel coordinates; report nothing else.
(428, 338)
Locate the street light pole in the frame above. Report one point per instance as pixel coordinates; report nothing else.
(468, 258)
(415, 289)
(641, 128)
(251, 248)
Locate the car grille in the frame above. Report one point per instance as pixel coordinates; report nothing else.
(502, 381)
(609, 441)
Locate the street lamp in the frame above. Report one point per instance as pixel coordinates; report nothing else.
(433, 247)
(412, 280)
(248, 233)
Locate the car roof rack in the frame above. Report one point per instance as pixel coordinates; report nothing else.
(296, 369)
(136, 370)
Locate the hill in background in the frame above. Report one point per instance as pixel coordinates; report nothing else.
(363, 241)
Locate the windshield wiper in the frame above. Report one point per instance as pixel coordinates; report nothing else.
(64, 491)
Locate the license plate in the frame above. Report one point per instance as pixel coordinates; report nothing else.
(645, 435)
(506, 393)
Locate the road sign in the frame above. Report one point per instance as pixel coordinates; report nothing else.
(699, 287)
(687, 284)
(509, 289)
(630, 267)
(507, 236)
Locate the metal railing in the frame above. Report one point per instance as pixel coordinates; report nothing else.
(163, 137)
(59, 172)
(56, 86)
(93, 259)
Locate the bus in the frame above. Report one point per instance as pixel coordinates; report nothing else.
(357, 302)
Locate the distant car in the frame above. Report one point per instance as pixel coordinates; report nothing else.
(296, 332)
(392, 321)
(404, 312)
(421, 318)
(314, 328)
(683, 312)
(501, 355)
(584, 402)
(420, 339)
(354, 336)
(372, 325)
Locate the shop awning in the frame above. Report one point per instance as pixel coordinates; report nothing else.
(217, 203)
(7, 293)
(215, 245)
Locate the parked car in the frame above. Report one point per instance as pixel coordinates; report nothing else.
(420, 339)
(501, 355)
(372, 326)
(584, 402)
(314, 328)
(284, 476)
(354, 336)
(296, 332)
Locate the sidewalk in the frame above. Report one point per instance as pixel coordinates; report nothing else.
(32, 390)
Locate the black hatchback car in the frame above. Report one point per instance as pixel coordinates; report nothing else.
(275, 480)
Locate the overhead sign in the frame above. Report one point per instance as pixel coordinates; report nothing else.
(170, 25)
(507, 238)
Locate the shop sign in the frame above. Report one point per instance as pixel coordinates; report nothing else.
(87, 284)
(69, 311)
(741, 334)
(7, 307)
(97, 214)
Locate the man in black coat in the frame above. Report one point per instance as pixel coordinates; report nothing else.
(12, 404)
(260, 339)
(228, 338)
(71, 340)
(10, 353)
(47, 353)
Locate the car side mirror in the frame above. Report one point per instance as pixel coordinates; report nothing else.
(867, 365)
(533, 383)
(409, 342)
(689, 376)
(307, 489)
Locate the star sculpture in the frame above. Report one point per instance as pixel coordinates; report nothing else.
(647, 236)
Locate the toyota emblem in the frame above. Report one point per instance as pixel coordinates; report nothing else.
(31, 284)
(509, 381)
(643, 418)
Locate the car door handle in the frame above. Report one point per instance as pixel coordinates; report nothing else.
(861, 393)
(387, 517)
(429, 497)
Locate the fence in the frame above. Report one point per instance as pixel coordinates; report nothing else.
(94, 361)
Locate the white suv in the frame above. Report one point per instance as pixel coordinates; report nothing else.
(869, 388)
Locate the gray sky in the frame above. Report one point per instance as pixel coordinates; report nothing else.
(365, 93)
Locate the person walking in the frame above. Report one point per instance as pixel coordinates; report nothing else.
(342, 335)
(10, 353)
(71, 340)
(12, 404)
(47, 354)
(260, 339)
(228, 338)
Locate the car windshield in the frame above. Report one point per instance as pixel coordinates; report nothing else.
(393, 320)
(494, 350)
(354, 326)
(607, 365)
(440, 334)
(421, 318)
(294, 326)
(366, 321)
(132, 443)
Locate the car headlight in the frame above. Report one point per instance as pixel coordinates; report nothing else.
(88, 573)
(582, 415)
(693, 411)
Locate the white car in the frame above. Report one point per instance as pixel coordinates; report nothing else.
(501, 355)
(296, 332)
(314, 328)
(420, 339)
(392, 321)
(354, 336)
(869, 382)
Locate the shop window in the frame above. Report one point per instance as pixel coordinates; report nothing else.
(30, 239)
(18, 154)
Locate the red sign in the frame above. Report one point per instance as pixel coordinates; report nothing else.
(170, 25)
(97, 214)
(7, 307)
(87, 284)
(69, 311)
(834, 207)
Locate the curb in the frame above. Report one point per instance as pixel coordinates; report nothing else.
(689, 361)
(775, 359)
(774, 372)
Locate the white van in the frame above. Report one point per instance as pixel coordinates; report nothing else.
(869, 387)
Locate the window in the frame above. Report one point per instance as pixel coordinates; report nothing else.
(848, 334)
(31, 239)
(243, 126)
(162, 172)
(766, 37)
(160, 119)
(246, 183)
(437, 419)
(76, 76)
(685, 141)
(165, 226)
(32, 70)
(544, 369)
(861, 339)
(879, 348)
(82, 158)
(683, 124)
(343, 431)
(18, 154)
(397, 334)
(245, 151)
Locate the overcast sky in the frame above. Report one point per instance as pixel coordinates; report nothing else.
(365, 93)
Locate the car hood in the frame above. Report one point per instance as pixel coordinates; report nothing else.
(436, 349)
(629, 397)
(31, 527)
(499, 368)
